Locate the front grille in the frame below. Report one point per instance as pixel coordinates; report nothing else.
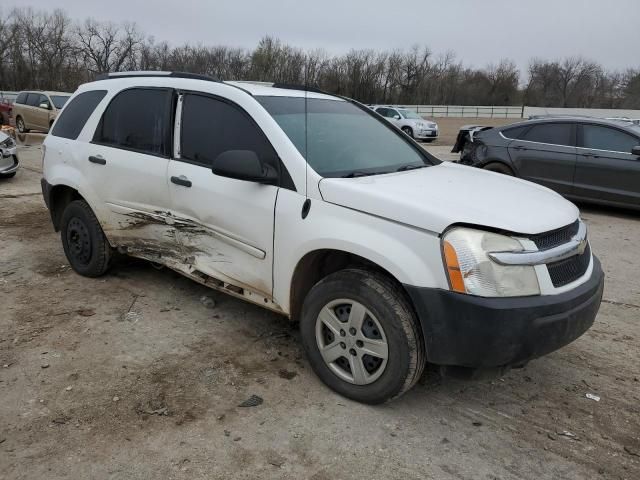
(556, 237)
(568, 270)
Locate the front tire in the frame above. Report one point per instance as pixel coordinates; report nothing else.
(21, 125)
(83, 240)
(8, 175)
(408, 131)
(361, 336)
(499, 168)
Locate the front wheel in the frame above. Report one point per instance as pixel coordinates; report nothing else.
(408, 131)
(361, 336)
(499, 168)
(8, 175)
(83, 240)
(22, 128)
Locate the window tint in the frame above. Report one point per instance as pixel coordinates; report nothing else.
(514, 132)
(33, 99)
(554, 133)
(382, 111)
(22, 97)
(138, 119)
(605, 138)
(210, 127)
(72, 119)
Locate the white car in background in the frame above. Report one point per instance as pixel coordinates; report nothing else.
(8, 156)
(409, 122)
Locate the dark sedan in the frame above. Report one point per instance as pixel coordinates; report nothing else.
(582, 158)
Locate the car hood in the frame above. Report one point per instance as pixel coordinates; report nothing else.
(434, 198)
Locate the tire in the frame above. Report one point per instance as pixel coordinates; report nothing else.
(428, 140)
(83, 240)
(499, 167)
(21, 125)
(408, 131)
(386, 319)
(8, 175)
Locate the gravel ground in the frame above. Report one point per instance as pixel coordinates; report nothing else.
(138, 375)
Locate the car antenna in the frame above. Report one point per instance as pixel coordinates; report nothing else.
(306, 206)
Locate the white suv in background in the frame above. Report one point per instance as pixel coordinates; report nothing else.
(314, 207)
(409, 122)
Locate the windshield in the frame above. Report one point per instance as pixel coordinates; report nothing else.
(59, 100)
(343, 140)
(410, 114)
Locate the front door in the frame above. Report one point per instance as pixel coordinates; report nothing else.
(225, 225)
(606, 169)
(126, 164)
(546, 154)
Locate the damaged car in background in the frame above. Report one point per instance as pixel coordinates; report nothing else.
(582, 158)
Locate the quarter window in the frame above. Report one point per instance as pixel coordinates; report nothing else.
(553, 133)
(72, 119)
(514, 132)
(605, 138)
(138, 119)
(210, 127)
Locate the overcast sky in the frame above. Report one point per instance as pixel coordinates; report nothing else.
(480, 32)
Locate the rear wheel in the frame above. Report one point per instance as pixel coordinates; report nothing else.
(408, 131)
(83, 241)
(499, 167)
(21, 125)
(8, 175)
(361, 336)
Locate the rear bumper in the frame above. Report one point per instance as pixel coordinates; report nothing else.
(469, 331)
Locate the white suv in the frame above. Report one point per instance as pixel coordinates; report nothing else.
(409, 122)
(314, 207)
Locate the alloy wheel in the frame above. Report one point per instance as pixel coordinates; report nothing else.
(351, 341)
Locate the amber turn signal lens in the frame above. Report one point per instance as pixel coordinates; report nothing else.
(453, 269)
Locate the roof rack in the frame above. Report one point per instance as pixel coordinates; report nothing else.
(306, 88)
(152, 73)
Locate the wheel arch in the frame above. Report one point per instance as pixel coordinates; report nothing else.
(59, 197)
(318, 264)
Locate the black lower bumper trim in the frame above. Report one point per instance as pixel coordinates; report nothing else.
(478, 332)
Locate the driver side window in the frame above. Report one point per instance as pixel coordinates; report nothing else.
(210, 127)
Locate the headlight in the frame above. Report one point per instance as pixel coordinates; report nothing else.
(8, 143)
(470, 269)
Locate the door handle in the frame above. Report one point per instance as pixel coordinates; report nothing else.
(520, 147)
(98, 159)
(181, 180)
(592, 155)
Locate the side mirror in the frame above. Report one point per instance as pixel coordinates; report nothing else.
(244, 165)
(45, 105)
(636, 151)
(397, 117)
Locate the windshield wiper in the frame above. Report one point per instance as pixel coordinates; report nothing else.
(404, 168)
(358, 173)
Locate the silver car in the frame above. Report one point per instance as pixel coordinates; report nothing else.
(8, 156)
(409, 122)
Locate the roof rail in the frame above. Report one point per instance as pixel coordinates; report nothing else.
(153, 73)
(307, 88)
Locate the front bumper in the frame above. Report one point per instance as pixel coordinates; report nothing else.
(426, 133)
(470, 331)
(8, 161)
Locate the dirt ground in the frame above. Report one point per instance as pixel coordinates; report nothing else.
(135, 376)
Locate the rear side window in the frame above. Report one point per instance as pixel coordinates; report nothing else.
(72, 119)
(605, 138)
(514, 132)
(138, 119)
(22, 97)
(33, 99)
(210, 127)
(553, 133)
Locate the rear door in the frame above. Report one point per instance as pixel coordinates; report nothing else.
(606, 170)
(226, 225)
(546, 154)
(126, 164)
(30, 113)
